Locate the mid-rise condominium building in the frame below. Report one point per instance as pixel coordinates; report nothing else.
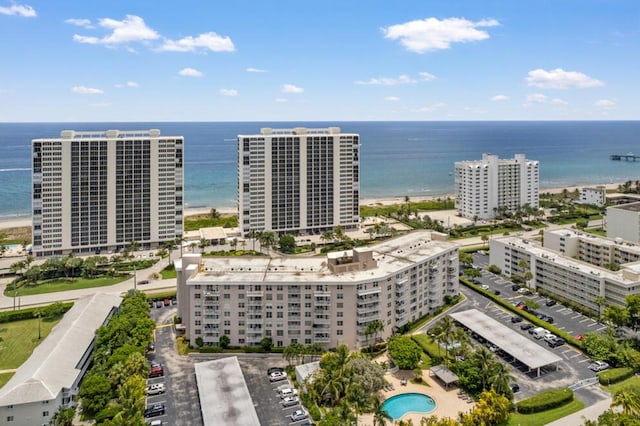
(596, 196)
(328, 300)
(573, 266)
(623, 221)
(492, 186)
(298, 180)
(100, 191)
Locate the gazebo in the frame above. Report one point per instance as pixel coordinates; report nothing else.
(444, 374)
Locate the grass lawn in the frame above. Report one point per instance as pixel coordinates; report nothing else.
(544, 417)
(630, 382)
(65, 284)
(4, 378)
(195, 222)
(168, 273)
(19, 340)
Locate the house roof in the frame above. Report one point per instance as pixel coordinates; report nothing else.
(55, 363)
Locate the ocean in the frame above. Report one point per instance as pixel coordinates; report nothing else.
(397, 158)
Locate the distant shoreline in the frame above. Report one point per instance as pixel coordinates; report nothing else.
(377, 201)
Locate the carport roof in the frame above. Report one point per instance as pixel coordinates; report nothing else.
(224, 396)
(524, 350)
(444, 374)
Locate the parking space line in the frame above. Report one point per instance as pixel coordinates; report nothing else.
(561, 328)
(568, 350)
(601, 328)
(576, 355)
(592, 324)
(566, 312)
(577, 316)
(584, 360)
(570, 332)
(585, 320)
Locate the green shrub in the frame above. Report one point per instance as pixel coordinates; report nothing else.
(210, 349)
(28, 313)
(545, 401)
(614, 375)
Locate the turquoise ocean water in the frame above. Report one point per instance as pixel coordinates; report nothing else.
(397, 158)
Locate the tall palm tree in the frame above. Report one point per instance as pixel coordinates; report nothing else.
(380, 415)
(486, 362)
(629, 400)
(500, 378)
(444, 329)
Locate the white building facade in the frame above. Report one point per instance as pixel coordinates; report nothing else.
(486, 187)
(595, 196)
(100, 191)
(327, 300)
(623, 221)
(298, 180)
(571, 266)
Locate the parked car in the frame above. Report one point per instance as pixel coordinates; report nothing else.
(154, 410)
(167, 302)
(515, 287)
(288, 392)
(155, 423)
(484, 287)
(277, 376)
(598, 366)
(556, 342)
(299, 415)
(496, 292)
(580, 337)
(155, 389)
(516, 319)
(274, 370)
(524, 290)
(290, 401)
(143, 282)
(550, 337)
(526, 326)
(514, 387)
(159, 304)
(156, 372)
(151, 347)
(174, 301)
(550, 302)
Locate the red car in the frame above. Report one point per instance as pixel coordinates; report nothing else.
(580, 337)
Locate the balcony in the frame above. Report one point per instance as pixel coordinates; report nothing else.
(322, 302)
(254, 294)
(255, 321)
(321, 338)
(366, 310)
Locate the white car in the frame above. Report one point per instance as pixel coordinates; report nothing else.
(288, 401)
(155, 389)
(277, 376)
(299, 415)
(484, 287)
(598, 366)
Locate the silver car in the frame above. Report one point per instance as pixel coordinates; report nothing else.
(289, 401)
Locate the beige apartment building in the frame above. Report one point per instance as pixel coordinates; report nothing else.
(99, 191)
(328, 300)
(299, 180)
(623, 221)
(571, 266)
(487, 185)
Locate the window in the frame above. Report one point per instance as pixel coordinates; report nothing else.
(45, 414)
(339, 332)
(9, 418)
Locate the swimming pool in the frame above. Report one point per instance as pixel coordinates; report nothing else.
(399, 405)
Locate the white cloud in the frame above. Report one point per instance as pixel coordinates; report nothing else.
(290, 88)
(18, 10)
(605, 104)
(430, 108)
(84, 23)
(207, 41)
(131, 29)
(392, 99)
(251, 69)
(132, 84)
(431, 34)
(401, 79)
(561, 79)
(499, 98)
(101, 104)
(281, 100)
(558, 101)
(83, 90)
(190, 72)
(229, 92)
(539, 98)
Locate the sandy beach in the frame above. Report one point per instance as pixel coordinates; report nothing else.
(380, 201)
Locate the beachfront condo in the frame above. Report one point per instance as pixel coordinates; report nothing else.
(623, 221)
(573, 266)
(493, 186)
(329, 300)
(298, 181)
(97, 192)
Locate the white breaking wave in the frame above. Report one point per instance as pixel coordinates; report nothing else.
(20, 169)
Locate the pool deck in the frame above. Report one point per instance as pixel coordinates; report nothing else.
(448, 402)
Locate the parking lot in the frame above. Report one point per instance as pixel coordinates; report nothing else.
(182, 405)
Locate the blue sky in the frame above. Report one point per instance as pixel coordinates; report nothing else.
(319, 60)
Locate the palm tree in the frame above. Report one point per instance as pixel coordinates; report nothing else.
(267, 239)
(168, 246)
(380, 415)
(486, 362)
(203, 244)
(629, 400)
(444, 329)
(500, 378)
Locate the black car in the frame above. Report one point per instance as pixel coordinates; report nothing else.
(549, 319)
(526, 326)
(516, 319)
(556, 342)
(550, 302)
(496, 292)
(515, 287)
(514, 387)
(154, 410)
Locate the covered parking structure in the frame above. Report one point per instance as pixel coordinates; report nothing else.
(511, 342)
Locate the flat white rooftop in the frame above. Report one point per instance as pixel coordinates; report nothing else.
(512, 342)
(224, 396)
(391, 256)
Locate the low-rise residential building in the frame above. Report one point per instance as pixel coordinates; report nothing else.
(570, 266)
(623, 221)
(595, 196)
(328, 300)
(50, 378)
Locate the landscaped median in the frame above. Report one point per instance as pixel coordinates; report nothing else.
(526, 315)
(545, 401)
(615, 375)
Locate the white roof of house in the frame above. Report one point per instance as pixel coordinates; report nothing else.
(224, 396)
(53, 365)
(305, 370)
